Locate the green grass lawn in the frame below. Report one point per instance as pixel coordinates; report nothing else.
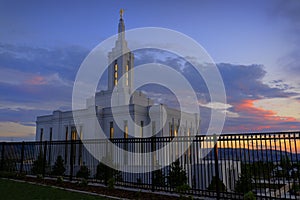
(15, 190)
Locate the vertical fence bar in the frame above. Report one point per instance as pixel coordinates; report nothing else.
(22, 157)
(2, 155)
(44, 158)
(153, 163)
(71, 161)
(216, 165)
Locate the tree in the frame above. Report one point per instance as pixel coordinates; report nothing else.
(244, 184)
(177, 175)
(249, 196)
(8, 165)
(105, 173)
(83, 172)
(286, 165)
(59, 168)
(38, 165)
(213, 184)
(158, 178)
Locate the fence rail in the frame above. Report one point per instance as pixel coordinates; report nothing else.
(224, 167)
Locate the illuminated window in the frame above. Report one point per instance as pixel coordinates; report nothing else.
(126, 75)
(142, 128)
(153, 128)
(74, 133)
(116, 74)
(125, 129)
(175, 130)
(111, 130)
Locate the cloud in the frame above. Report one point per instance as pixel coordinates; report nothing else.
(16, 130)
(18, 77)
(34, 81)
(285, 108)
(42, 60)
(245, 88)
(216, 105)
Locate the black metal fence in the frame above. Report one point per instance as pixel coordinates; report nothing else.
(228, 166)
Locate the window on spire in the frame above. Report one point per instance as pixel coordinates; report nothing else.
(116, 73)
(126, 75)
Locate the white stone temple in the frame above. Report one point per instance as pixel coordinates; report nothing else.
(60, 124)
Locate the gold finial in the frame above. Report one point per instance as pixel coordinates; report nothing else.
(121, 13)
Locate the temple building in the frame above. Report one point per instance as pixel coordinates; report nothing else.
(148, 117)
(60, 124)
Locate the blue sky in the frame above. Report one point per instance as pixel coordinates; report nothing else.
(256, 45)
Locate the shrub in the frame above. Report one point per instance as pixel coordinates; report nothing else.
(83, 182)
(244, 184)
(177, 175)
(158, 178)
(39, 176)
(59, 179)
(111, 183)
(83, 172)
(38, 165)
(249, 196)
(59, 168)
(213, 184)
(105, 173)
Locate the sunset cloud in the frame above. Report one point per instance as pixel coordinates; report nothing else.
(13, 130)
(36, 80)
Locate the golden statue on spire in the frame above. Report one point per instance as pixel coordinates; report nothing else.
(121, 13)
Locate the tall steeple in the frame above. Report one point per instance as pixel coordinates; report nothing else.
(119, 66)
(121, 22)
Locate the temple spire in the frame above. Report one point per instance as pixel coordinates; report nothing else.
(121, 22)
(121, 13)
(121, 61)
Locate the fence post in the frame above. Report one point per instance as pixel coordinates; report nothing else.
(44, 158)
(216, 166)
(22, 157)
(71, 161)
(2, 156)
(153, 163)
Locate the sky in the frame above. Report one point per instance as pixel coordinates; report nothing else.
(255, 44)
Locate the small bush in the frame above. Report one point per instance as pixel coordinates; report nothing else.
(59, 179)
(39, 176)
(83, 172)
(249, 196)
(38, 165)
(105, 172)
(183, 188)
(177, 175)
(111, 183)
(59, 167)
(83, 182)
(213, 185)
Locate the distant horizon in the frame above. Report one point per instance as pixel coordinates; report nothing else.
(254, 44)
